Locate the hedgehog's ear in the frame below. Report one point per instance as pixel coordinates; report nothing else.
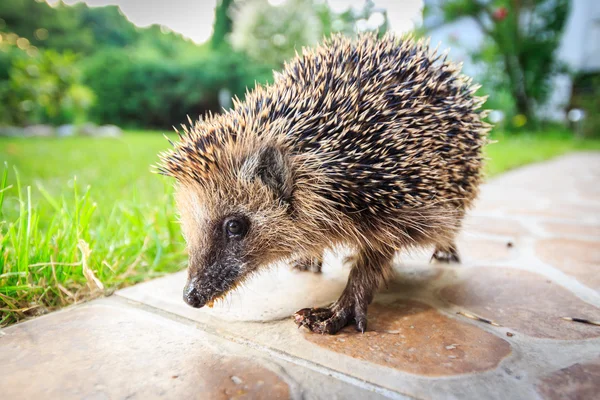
(272, 167)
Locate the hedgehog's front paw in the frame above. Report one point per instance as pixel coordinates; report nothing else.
(331, 320)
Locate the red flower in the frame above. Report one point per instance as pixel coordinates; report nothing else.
(500, 13)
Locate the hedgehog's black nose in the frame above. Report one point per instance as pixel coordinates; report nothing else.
(192, 296)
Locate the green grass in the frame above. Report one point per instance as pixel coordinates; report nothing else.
(514, 151)
(80, 217)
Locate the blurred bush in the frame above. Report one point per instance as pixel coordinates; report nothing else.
(134, 90)
(43, 88)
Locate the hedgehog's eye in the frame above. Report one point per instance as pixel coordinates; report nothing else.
(236, 227)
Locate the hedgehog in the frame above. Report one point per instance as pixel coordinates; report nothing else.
(371, 144)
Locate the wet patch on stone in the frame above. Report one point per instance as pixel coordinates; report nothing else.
(578, 258)
(242, 379)
(579, 381)
(416, 338)
(524, 301)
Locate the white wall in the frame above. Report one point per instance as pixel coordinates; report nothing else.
(579, 49)
(580, 46)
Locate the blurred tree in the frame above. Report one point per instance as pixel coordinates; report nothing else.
(222, 24)
(57, 27)
(83, 29)
(367, 18)
(335, 22)
(522, 36)
(108, 25)
(370, 18)
(272, 33)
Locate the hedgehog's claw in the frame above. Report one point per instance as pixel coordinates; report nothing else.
(331, 320)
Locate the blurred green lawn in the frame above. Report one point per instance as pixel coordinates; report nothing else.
(512, 151)
(126, 218)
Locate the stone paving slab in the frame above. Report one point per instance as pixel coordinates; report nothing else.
(531, 255)
(108, 349)
(562, 190)
(415, 334)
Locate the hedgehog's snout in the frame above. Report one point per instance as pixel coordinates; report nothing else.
(210, 284)
(192, 296)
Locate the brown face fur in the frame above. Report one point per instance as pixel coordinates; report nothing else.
(254, 191)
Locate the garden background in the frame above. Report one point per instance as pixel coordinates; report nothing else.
(86, 95)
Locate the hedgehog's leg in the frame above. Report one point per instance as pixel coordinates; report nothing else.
(370, 270)
(311, 264)
(445, 250)
(446, 254)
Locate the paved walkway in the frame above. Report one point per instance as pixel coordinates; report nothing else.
(531, 254)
